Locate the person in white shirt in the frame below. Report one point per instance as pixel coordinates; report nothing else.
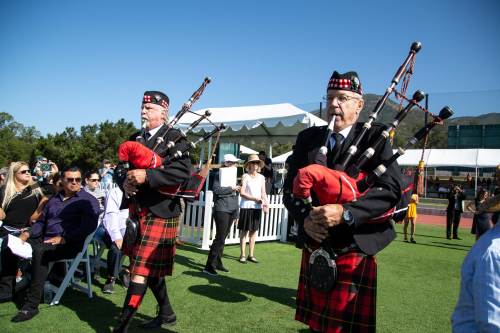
(253, 201)
(114, 222)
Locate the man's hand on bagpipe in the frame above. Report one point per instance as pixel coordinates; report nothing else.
(134, 179)
(316, 230)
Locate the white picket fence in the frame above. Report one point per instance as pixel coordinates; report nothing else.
(198, 214)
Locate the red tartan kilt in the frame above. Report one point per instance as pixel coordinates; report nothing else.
(350, 305)
(153, 255)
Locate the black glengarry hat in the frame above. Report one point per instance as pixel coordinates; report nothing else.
(348, 81)
(156, 97)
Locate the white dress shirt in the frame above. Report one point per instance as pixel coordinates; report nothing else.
(114, 219)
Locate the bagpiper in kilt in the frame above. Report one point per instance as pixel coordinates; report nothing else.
(153, 254)
(156, 214)
(349, 304)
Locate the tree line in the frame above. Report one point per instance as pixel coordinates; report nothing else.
(85, 148)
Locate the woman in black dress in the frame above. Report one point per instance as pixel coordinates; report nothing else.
(481, 221)
(19, 199)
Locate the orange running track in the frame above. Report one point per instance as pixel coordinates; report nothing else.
(441, 220)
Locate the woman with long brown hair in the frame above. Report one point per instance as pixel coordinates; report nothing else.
(481, 221)
(19, 199)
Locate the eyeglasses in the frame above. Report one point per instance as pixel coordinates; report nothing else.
(93, 180)
(23, 172)
(341, 99)
(73, 180)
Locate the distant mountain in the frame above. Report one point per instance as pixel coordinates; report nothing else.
(484, 119)
(415, 120)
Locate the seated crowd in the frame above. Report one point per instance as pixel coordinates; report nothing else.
(55, 213)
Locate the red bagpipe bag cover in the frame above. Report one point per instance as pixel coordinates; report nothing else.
(330, 186)
(141, 157)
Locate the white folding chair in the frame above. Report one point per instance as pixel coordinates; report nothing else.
(71, 266)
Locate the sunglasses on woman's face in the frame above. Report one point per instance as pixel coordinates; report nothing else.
(23, 172)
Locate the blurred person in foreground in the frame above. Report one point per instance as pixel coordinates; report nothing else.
(478, 305)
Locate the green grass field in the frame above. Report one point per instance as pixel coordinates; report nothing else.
(418, 286)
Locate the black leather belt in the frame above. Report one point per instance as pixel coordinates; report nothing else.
(343, 250)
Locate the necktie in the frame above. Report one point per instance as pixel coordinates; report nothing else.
(147, 136)
(338, 138)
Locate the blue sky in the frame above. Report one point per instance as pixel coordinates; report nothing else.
(71, 63)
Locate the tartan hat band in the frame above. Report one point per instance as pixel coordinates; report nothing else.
(156, 97)
(348, 81)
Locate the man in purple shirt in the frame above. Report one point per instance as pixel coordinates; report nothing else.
(67, 219)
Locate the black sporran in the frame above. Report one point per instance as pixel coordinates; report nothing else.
(131, 236)
(322, 270)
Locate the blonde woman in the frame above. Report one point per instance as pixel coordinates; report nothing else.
(253, 201)
(19, 198)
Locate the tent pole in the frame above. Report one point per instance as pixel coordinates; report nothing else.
(475, 183)
(270, 150)
(209, 156)
(425, 182)
(202, 155)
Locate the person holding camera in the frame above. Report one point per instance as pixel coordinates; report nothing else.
(44, 169)
(106, 174)
(454, 211)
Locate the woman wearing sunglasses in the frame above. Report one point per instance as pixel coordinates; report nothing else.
(19, 199)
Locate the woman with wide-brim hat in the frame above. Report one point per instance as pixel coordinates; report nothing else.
(253, 200)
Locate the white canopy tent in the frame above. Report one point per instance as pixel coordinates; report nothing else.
(281, 158)
(469, 158)
(247, 151)
(274, 123)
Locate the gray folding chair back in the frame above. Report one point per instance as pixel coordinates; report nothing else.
(71, 268)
